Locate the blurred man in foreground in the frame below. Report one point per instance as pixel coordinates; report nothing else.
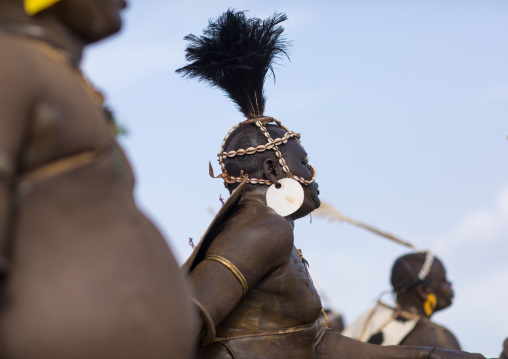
(250, 283)
(85, 274)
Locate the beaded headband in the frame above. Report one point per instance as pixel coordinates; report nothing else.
(272, 144)
(427, 265)
(422, 275)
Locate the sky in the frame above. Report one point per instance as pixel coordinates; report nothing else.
(402, 107)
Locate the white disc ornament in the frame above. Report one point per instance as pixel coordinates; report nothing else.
(286, 199)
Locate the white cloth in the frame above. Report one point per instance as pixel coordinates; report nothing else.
(381, 318)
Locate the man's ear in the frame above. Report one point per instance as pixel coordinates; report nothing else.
(422, 290)
(271, 171)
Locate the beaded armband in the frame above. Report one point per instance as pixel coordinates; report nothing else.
(232, 268)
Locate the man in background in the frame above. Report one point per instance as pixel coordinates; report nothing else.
(421, 287)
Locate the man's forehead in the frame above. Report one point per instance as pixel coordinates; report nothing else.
(439, 265)
(296, 148)
(293, 144)
(438, 268)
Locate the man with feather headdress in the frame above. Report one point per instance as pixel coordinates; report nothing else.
(85, 274)
(250, 283)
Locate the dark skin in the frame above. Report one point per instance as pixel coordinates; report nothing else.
(504, 354)
(335, 322)
(426, 332)
(267, 258)
(281, 295)
(90, 276)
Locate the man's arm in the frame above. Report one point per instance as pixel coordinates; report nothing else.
(17, 94)
(335, 345)
(251, 250)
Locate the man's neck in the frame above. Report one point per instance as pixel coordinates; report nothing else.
(51, 32)
(255, 192)
(291, 221)
(258, 193)
(412, 308)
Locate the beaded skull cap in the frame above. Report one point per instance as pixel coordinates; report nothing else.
(272, 144)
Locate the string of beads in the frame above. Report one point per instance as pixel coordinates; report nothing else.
(270, 145)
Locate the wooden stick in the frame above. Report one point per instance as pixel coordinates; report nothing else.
(327, 211)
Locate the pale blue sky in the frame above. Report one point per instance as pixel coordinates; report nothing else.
(402, 106)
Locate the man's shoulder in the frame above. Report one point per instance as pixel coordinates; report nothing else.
(429, 333)
(14, 47)
(17, 62)
(444, 333)
(260, 222)
(259, 233)
(431, 325)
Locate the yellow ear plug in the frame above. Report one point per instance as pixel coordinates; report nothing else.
(32, 7)
(430, 304)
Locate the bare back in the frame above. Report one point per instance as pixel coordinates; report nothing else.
(90, 276)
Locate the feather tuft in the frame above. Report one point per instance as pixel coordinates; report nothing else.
(236, 53)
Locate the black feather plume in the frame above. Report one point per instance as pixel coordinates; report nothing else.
(235, 54)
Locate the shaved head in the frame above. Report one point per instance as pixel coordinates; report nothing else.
(405, 270)
(250, 136)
